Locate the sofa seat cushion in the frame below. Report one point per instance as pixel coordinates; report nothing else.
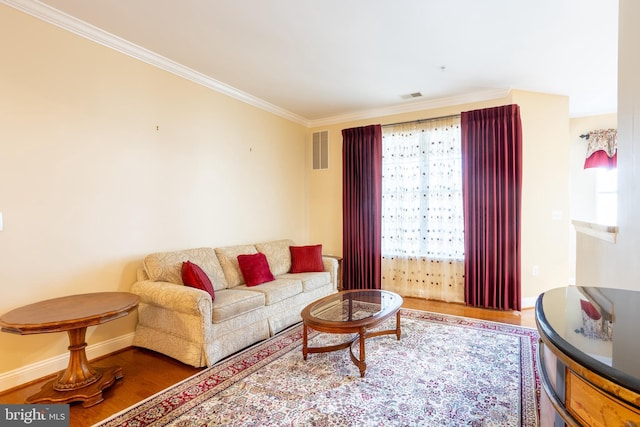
(233, 302)
(277, 290)
(310, 281)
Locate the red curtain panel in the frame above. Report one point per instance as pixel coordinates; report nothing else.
(361, 207)
(492, 194)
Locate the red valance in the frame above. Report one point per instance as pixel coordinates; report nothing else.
(602, 151)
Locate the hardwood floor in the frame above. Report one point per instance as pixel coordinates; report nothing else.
(147, 372)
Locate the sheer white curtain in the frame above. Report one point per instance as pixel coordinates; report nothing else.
(422, 213)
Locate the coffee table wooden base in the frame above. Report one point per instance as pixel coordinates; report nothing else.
(89, 395)
(360, 339)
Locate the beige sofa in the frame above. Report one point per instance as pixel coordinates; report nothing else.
(182, 322)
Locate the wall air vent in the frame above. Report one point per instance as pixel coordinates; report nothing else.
(412, 95)
(321, 150)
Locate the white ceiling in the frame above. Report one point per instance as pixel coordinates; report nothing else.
(322, 60)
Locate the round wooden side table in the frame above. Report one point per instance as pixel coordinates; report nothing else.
(72, 314)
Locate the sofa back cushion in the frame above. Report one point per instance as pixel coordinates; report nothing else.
(167, 266)
(278, 255)
(228, 257)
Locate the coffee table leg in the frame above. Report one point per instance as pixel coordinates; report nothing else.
(304, 342)
(362, 365)
(398, 332)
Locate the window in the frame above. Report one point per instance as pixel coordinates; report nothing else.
(607, 196)
(422, 210)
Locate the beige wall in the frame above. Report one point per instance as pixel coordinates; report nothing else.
(545, 123)
(104, 159)
(600, 263)
(582, 184)
(545, 192)
(583, 181)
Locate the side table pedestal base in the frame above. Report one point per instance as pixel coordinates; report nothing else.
(89, 395)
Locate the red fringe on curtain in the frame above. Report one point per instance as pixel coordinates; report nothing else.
(492, 187)
(362, 207)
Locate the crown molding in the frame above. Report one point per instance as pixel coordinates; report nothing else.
(74, 25)
(430, 104)
(67, 22)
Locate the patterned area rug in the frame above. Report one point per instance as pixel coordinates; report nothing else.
(445, 371)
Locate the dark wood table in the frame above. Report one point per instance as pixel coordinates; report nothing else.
(347, 312)
(588, 356)
(72, 314)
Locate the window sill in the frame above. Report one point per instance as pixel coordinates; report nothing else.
(604, 232)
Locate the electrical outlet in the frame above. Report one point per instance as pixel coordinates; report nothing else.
(535, 270)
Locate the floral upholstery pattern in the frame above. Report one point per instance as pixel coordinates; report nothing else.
(167, 266)
(278, 255)
(180, 299)
(310, 281)
(277, 290)
(234, 303)
(184, 323)
(228, 257)
(168, 307)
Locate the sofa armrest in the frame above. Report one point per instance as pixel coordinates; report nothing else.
(178, 298)
(331, 265)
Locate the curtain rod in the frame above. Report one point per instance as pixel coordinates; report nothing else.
(422, 120)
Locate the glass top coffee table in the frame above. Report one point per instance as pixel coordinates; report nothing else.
(348, 312)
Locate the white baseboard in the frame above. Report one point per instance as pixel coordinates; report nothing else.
(55, 364)
(529, 302)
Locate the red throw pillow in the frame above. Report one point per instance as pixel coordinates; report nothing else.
(306, 258)
(255, 269)
(195, 277)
